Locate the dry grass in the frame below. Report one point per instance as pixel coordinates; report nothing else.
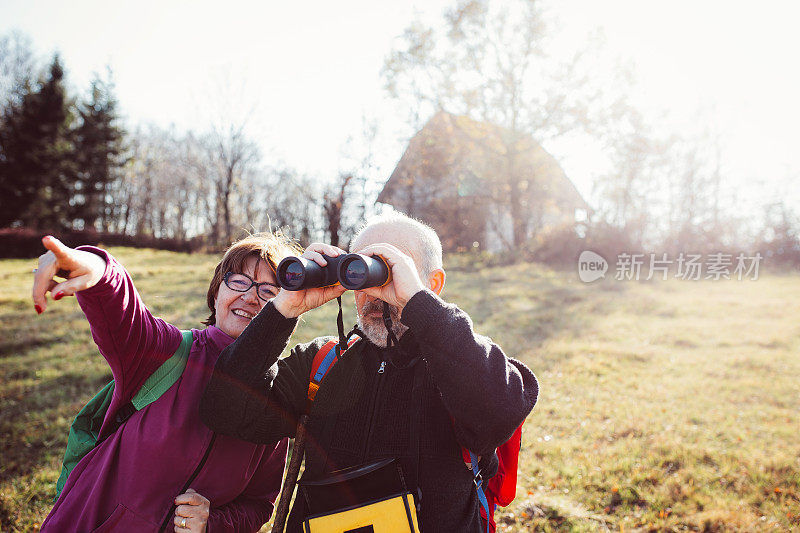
(665, 406)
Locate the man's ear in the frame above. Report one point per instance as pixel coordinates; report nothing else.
(436, 281)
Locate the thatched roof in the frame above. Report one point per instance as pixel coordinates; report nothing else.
(457, 157)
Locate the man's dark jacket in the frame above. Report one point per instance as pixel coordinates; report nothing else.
(472, 395)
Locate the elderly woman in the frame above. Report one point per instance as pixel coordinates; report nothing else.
(162, 468)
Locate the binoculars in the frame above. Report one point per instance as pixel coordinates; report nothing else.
(353, 271)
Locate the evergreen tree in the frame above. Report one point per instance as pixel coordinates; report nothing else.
(17, 69)
(98, 155)
(36, 169)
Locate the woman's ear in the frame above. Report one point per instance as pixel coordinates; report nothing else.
(436, 281)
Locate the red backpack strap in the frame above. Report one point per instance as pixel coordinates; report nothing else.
(323, 361)
(467, 457)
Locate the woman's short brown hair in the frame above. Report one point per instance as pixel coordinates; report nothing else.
(268, 247)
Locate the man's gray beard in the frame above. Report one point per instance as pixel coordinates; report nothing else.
(374, 328)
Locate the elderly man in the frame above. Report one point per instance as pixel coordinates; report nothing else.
(373, 404)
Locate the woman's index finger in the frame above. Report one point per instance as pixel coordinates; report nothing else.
(60, 249)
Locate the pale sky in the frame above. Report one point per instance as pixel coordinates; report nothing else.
(309, 71)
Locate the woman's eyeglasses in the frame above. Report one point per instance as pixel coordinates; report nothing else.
(242, 283)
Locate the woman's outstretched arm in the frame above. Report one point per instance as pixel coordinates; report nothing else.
(132, 340)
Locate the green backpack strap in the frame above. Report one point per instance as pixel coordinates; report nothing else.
(165, 376)
(85, 429)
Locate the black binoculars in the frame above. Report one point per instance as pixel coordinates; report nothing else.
(353, 271)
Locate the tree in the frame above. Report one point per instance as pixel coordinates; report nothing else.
(492, 65)
(293, 205)
(631, 194)
(333, 204)
(232, 154)
(17, 68)
(351, 198)
(99, 155)
(36, 169)
(157, 193)
(780, 236)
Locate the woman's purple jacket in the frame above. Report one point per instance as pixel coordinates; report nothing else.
(129, 481)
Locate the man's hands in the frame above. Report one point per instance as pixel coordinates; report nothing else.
(292, 304)
(191, 513)
(405, 281)
(82, 270)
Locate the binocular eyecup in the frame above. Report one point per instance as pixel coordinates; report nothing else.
(353, 271)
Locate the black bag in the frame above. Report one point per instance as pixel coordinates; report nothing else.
(370, 498)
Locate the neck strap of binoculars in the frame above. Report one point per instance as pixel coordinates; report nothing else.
(391, 340)
(340, 327)
(344, 338)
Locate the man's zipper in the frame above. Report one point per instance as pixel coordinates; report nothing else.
(374, 409)
(186, 486)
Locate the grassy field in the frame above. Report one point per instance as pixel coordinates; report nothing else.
(664, 406)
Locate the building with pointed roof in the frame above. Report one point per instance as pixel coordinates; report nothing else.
(457, 176)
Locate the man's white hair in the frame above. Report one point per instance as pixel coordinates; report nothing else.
(425, 243)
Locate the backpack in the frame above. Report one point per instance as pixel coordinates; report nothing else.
(85, 429)
(500, 489)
